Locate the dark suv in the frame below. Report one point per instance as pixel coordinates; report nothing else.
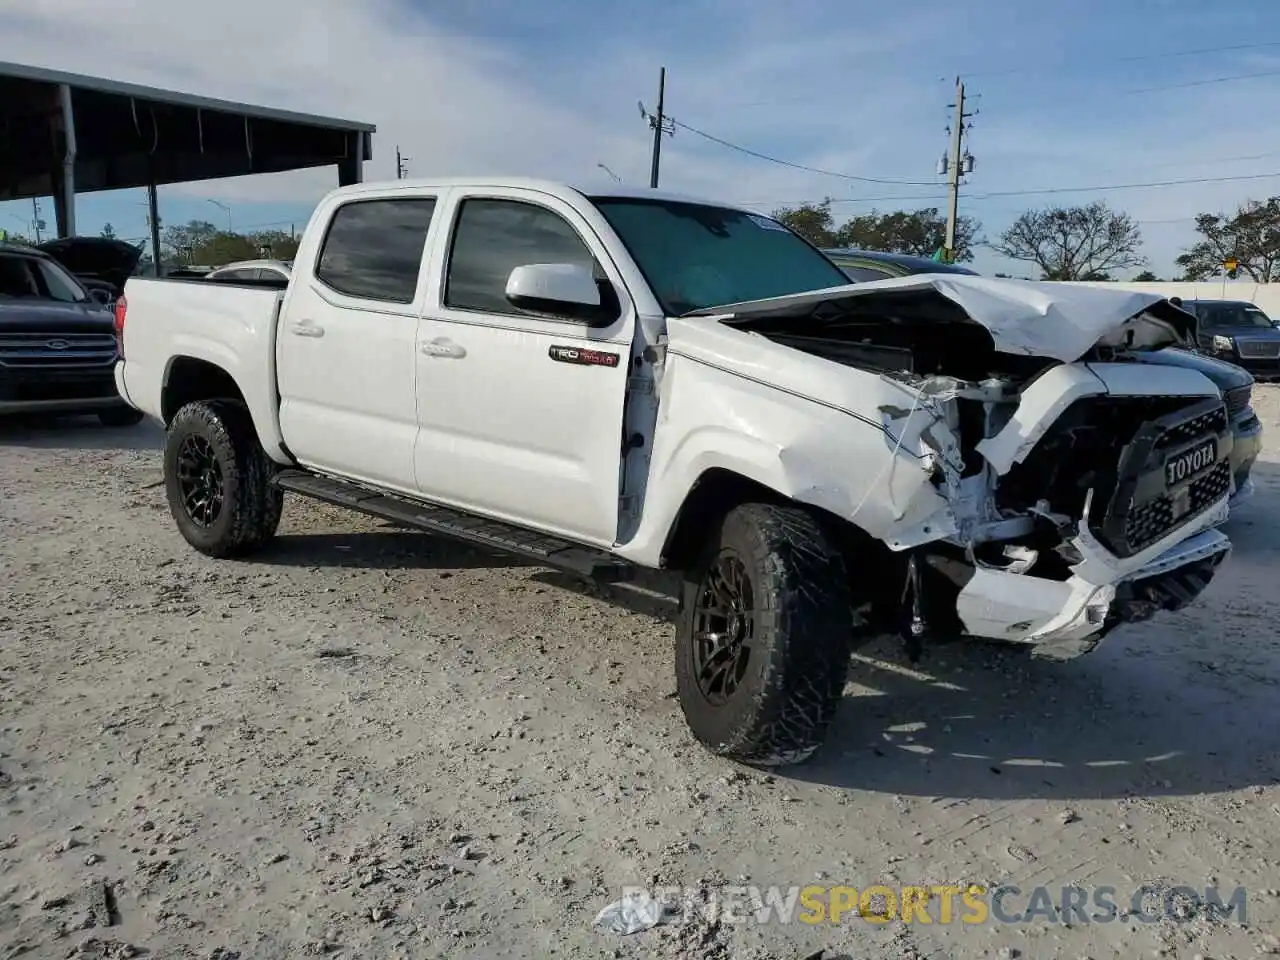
(1239, 332)
(57, 341)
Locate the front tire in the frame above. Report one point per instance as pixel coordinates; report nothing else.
(120, 417)
(217, 479)
(762, 653)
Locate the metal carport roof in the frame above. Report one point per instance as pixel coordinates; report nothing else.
(62, 134)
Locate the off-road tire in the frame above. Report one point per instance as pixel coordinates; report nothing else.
(120, 417)
(801, 638)
(251, 505)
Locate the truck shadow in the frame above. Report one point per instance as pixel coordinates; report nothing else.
(1168, 707)
(1252, 524)
(387, 548)
(77, 433)
(985, 722)
(392, 547)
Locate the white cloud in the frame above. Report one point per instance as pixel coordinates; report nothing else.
(456, 104)
(837, 89)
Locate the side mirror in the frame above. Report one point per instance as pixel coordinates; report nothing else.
(101, 296)
(553, 287)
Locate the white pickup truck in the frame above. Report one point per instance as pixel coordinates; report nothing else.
(607, 381)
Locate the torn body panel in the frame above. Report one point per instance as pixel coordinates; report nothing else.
(845, 440)
(1021, 469)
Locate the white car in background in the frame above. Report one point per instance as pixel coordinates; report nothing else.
(253, 270)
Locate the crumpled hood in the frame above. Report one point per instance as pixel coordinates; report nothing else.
(1060, 321)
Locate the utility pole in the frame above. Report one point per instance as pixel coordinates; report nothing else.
(661, 124)
(957, 163)
(402, 171)
(36, 223)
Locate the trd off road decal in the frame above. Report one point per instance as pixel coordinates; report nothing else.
(583, 356)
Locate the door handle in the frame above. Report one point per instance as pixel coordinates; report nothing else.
(306, 328)
(442, 347)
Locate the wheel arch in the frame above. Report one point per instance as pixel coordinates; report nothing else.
(719, 490)
(191, 379)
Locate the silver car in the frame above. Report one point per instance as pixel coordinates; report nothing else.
(253, 270)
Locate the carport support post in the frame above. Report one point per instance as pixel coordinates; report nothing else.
(351, 169)
(153, 218)
(64, 194)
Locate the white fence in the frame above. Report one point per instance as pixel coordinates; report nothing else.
(1265, 295)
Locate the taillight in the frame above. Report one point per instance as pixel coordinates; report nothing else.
(122, 307)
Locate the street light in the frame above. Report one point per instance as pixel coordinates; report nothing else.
(225, 209)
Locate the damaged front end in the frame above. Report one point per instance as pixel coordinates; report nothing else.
(1078, 489)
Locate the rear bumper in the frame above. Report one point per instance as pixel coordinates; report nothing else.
(52, 389)
(60, 406)
(121, 387)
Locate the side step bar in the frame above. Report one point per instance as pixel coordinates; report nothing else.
(431, 518)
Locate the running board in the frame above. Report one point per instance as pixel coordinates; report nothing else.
(431, 518)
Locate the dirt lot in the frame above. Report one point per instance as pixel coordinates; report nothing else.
(372, 744)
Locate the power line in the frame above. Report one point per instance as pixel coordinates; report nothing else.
(999, 194)
(1209, 161)
(1205, 83)
(799, 166)
(1136, 58)
(1007, 193)
(1043, 69)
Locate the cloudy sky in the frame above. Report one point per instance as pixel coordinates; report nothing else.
(1089, 94)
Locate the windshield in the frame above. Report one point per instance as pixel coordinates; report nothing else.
(35, 278)
(1232, 315)
(696, 256)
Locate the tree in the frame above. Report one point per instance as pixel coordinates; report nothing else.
(1146, 276)
(108, 231)
(274, 244)
(1251, 236)
(200, 242)
(813, 221)
(186, 242)
(918, 232)
(1074, 243)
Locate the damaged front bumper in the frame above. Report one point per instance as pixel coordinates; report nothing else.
(1064, 619)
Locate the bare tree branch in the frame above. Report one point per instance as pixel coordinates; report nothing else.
(1074, 243)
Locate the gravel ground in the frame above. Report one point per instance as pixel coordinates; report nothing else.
(372, 744)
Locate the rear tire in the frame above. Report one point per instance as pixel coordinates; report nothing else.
(120, 417)
(763, 649)
(217, 479)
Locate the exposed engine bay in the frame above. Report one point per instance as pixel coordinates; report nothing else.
(1059, 459)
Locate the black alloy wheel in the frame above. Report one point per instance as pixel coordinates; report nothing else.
(200, 480)
(724, 629)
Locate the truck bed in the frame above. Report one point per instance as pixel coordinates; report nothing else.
(231, 326)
